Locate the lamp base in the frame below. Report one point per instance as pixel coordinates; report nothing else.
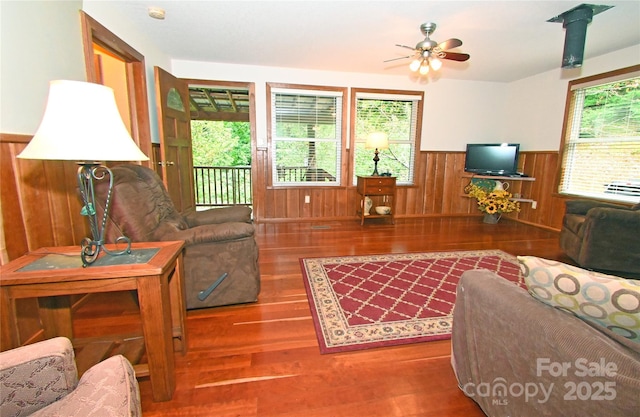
(375, 164)
(91, 247)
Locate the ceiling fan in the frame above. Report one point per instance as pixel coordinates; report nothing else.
(428, 53)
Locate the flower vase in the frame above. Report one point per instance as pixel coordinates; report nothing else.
(368, 203)
(492, 218)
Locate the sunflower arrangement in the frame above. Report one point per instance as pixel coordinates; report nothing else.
(492, 201)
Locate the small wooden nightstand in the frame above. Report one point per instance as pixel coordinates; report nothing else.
(382, 191)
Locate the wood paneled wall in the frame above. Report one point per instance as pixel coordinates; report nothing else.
(40, 206)
(39, 202)
(438, 191)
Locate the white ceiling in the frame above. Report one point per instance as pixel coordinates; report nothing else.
(507, 40)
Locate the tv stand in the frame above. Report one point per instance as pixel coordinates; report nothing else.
(516, 190)
(514, 177)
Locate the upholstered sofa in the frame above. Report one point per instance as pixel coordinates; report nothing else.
(516, 355)
(220, 248)
(41, 379)
(602, 236)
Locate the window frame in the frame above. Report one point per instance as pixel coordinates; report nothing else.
(574, 85)
(390, 95)
(271, 141)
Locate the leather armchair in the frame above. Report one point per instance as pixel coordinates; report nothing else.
(218, 242)
(602, 236)
(41, 379)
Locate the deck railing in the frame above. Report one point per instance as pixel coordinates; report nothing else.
(222, 186)
(231, 186)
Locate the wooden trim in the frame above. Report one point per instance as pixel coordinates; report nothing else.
(257, 180)
(352, 124)
(343, 150)
(94, 33)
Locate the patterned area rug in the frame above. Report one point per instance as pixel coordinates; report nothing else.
(361, 302)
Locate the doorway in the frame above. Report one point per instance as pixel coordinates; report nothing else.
(112, 62)
(222, 142)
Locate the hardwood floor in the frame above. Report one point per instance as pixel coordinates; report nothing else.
(262, 359)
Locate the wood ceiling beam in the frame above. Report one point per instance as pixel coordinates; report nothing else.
(211, 99)
(221, 116)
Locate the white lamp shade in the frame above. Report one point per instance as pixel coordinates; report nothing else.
(377, 140)
(81, 123)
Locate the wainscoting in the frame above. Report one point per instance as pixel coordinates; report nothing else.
(438, 191)
(40, 208)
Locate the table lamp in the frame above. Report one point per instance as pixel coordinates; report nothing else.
(376, 140)
(81, 123)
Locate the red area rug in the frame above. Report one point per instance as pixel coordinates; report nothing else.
(361, 302)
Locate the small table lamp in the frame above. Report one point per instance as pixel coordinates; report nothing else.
(81, 123)
(376, 140)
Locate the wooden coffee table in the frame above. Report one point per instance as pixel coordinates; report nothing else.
(153, 269)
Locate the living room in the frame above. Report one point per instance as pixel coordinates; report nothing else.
(485, 111)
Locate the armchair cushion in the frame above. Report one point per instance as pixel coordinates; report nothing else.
(36, 375)
(41, 379)
(219, 215)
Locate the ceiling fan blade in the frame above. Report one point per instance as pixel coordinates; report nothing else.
(455, 56)
(450, 44)
(395, 59)
(405, 46)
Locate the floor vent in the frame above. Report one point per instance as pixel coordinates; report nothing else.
(321, 227)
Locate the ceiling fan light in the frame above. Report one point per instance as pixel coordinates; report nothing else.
(435, 63)
(424, 68)
(415, 64)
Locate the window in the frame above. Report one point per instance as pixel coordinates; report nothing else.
(398, 114)
(601, 144)
(306, 136)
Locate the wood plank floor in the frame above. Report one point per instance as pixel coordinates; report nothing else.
(262, 359)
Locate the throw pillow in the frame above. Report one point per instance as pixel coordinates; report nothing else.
(606, 300)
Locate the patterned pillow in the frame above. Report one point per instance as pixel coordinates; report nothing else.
(606, 300)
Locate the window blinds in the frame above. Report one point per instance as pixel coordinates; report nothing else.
(307, 137)
(602, 138)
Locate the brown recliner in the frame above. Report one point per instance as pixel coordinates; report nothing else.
(219, 242)
(602, 236)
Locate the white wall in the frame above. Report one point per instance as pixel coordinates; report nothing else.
(40, 41)
(456, 112)
(536, 105)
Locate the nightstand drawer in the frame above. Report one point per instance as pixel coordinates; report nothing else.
(374, 189)
(381, 181)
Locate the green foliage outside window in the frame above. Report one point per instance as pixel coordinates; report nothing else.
(396, 118)
(612, 110)
(221, 143)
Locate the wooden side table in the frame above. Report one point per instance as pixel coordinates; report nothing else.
(153, 269)
(383, 191)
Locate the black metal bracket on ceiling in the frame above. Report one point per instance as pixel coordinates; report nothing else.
(575, 22)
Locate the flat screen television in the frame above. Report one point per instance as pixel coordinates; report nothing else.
(492, 158)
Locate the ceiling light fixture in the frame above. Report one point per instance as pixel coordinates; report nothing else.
(428, 53)
(157, 13)
(427, 61)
